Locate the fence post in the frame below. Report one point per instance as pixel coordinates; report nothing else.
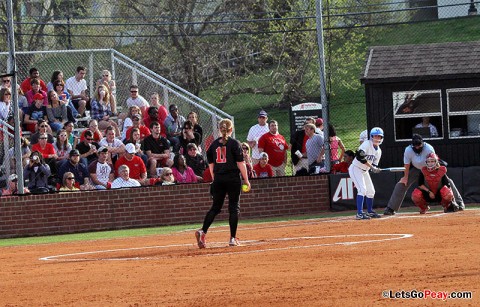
(90, 73)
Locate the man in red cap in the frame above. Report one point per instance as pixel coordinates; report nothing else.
(36, 112)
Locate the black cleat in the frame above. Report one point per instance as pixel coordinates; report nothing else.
(388, 211)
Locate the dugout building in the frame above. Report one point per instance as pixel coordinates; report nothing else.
(439, 83)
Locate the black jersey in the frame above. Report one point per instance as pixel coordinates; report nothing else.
(225, 157)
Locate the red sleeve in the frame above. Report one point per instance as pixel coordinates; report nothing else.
(36, 147)
(127, 134)
(25, 86)
(144, 131)
(261, 141)
(43, 85)
(50, 149)
(162, 114)
(270, 170)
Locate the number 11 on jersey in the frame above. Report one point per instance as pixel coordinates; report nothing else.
(221, 154)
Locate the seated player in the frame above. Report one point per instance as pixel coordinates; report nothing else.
(433, 186)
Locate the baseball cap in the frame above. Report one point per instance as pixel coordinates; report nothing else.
(102, 149)
(417, 140)
(12, 177)
(264, 155)
(318, 122)
(130, 148)
(262, 113)
(137, 116)
(38, 96)
(74, 152)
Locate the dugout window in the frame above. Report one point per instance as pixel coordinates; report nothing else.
(463, 112)
(417, 112)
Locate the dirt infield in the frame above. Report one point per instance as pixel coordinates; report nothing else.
(327, 262)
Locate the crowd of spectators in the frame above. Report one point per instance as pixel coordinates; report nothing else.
(147, 144)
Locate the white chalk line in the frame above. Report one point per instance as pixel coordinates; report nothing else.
(237, 250)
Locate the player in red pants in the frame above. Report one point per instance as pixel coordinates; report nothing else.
(433, 186)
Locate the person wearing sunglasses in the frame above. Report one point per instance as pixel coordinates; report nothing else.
(42, 128)
(136, 99)
(88, 148)
(188, 136)
(12, 186)
(196, 161)
(167, 176)
(68, 183)
(107, 81)
(137, 123)
(5, 103)
(78, 169)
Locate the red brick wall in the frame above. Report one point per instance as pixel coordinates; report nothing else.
(154, 206)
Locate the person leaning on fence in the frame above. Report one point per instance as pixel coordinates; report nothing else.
(248, 160)
(36, 174)
(298, 148)
(275, 145)
(314, 147)
(124, 180)
(254, 134)
(101, 172)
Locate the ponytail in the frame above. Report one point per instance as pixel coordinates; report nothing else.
(225, 126)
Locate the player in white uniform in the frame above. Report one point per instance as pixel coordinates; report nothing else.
(367, 158)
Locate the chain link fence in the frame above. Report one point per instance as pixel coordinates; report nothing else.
(243, 56)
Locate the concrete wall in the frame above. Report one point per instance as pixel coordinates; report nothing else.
(47, 214)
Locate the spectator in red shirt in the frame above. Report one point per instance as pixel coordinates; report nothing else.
(138, 171)
(275, 145)
(262, 169)
(34, 74)
(342, 167)
(144, 131)
(48, 152)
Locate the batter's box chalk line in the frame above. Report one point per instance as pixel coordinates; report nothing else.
(213, 248)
